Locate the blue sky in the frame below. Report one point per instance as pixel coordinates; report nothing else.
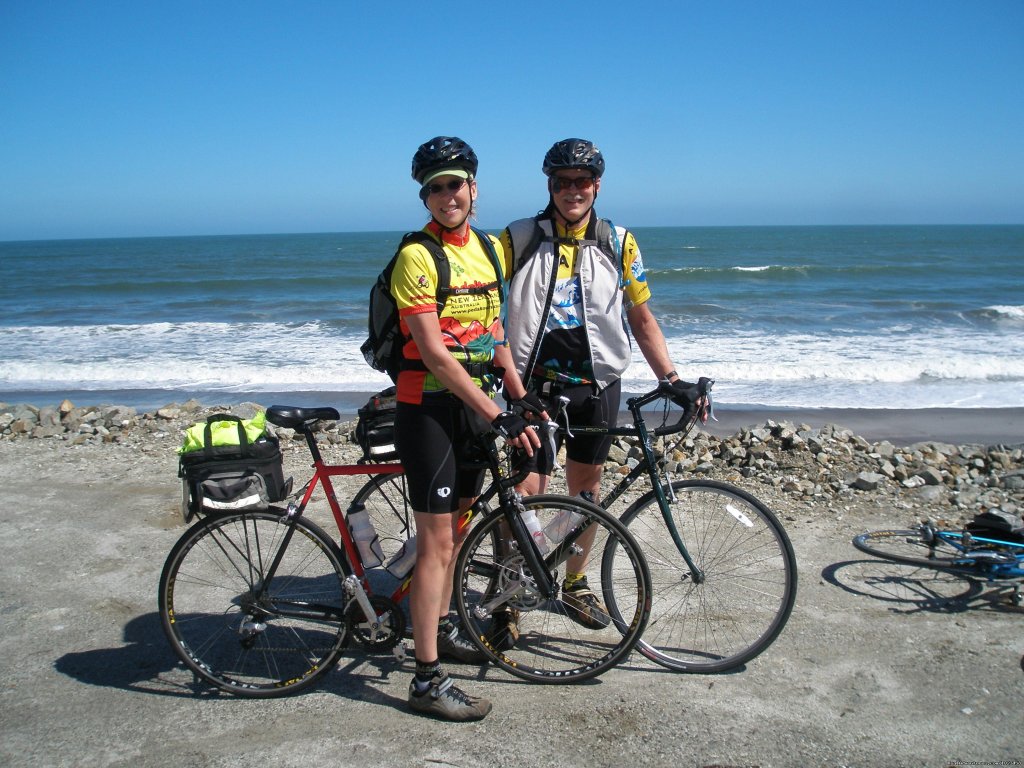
(155, 118)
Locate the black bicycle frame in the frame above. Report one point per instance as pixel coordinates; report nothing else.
(649, 467)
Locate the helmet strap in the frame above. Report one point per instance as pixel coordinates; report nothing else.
(458, 228)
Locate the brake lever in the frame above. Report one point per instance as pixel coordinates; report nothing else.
(708, 411)
(550, 428)
(563, 401)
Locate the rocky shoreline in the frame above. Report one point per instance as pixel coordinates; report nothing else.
(829, 465)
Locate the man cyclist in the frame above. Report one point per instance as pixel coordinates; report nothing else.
(576, 284)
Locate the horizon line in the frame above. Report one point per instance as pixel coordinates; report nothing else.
(394, 231)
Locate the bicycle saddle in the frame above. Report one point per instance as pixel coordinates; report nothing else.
(292, 417)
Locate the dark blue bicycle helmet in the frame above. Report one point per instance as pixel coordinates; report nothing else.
(572, 154)
(443, 153)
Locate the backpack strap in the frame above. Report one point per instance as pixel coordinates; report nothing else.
(444, 270)
(443, 291)
(499, 274)
(525, 235)
(608, 241)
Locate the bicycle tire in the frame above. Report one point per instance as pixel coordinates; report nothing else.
(749, 569)
(912, 546)
(222, 634)
(551, 647)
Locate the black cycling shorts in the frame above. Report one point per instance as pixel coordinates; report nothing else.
(431, 439)
(584, 409)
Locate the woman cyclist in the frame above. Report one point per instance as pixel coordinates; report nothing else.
(445, 394)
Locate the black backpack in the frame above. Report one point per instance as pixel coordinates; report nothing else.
(383, 346)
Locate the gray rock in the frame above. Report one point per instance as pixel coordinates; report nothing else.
(931, 494)
(867, 481)
(885, 449)
(930, 475)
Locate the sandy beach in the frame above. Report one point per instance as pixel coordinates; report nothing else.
(878, 666)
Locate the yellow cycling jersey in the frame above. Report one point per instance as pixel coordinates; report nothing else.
(468, 320)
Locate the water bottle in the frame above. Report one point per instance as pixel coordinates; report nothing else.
(365, 537)
(403, 561)
(533, 526)
(562, 524)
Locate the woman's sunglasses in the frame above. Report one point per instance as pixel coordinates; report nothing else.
(450, 186)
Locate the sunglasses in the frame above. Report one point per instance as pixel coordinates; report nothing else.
(582, 184)
(451, 186)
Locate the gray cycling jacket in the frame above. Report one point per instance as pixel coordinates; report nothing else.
(529, 300)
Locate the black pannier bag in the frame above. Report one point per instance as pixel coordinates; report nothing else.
(248, 475)
(375, 429)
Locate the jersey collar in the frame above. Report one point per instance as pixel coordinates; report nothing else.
(445, 236)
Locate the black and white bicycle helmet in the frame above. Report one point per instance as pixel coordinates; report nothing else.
(569, 154)
(443, 152)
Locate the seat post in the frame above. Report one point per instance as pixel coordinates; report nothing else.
(307, 431)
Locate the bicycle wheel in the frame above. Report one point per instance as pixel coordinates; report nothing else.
(237, 633)
(491, 578)
(748, 583)
(916, 546)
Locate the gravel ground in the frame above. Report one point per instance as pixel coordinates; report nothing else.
(878, 666)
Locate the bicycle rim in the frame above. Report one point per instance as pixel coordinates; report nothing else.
(235, 640)
(910, 547)
(491, 579)
(749, 576)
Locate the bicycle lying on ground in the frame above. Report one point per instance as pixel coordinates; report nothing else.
(262, 603)
(725, 578)
(990, 556)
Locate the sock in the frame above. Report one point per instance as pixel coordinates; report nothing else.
(572, 579)
(425, 672)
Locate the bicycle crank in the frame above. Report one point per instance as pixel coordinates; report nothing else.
(382, 630)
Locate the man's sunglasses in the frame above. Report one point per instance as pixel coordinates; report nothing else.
(582, 184)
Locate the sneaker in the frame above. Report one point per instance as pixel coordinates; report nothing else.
(504, 630)
(446, 700)
(452, 645)
(584, 607)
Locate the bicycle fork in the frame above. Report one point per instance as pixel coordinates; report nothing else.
(659, 483)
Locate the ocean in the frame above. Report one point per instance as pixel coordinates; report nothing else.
(798, 317)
